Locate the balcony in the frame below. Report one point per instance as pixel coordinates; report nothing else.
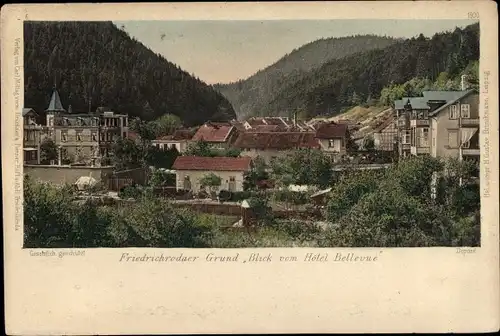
(469, 122)
(471, 151)
(419, 122)
(405, 146)
(419, 150)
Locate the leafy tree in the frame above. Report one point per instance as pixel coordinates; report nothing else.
(257, 173)
(203, 148)
(303, 167)
(167, 124)
(160, 178)
(199, 148)
(127, 154)
(47, 214)
(161, 158)
(48, 151)
(212, 181)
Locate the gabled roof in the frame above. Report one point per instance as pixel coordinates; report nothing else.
(276, 140)
(268, 128)
(451, 102)
(213, 132)
(443, 95)
(331, 130)
(179, 135)
(212, 163)
(26, 111)
(55, 104)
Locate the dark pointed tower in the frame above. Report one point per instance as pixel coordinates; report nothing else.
(55, 107)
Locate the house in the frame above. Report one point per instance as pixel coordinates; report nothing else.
(190, 170)
(218, 134)
(180, 140)
(454, 126)
(332, 138)
(441, 124)
(33, 135)
(270, 145)
(84, 137)
(407, 108)
(385, 135)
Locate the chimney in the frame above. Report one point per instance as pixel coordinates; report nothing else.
(463, 83)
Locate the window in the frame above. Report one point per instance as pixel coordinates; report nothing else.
(423, 137)
(466, 144)
(331, 143)
(25, 135)
(64, 136)
(78, 136)
(453, 112)
(94, 136)
(406, 138)
(453, 138)
(465, 110)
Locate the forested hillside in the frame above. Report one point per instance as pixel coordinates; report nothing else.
(248, 95)
(98, 63)
(360, 78)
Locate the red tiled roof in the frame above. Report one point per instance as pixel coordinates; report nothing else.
(213, 132)
(331, 130)
(181, 134)
(254, 122)
(276, 140)
(212, 163)
(268, 128)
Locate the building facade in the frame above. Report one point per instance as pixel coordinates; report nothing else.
(190, 170)
(440, 124)
(84, 138)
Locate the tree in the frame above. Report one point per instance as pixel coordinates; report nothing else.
(167, 124)
(127, 154)
(212, 181)
(160, 178)
(257, 173)
(303, 167)
(161, 158)
(47, 214)
(199, 148)
(48, 151)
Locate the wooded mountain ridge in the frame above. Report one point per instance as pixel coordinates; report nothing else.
(245, 95)
(360, 77)
(96, 64)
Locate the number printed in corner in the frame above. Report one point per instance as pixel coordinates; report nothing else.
(473, 15)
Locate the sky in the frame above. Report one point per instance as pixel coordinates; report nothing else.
(226, 51)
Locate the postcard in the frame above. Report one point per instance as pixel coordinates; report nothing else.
(302, 167)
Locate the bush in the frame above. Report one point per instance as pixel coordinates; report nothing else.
(130, 191)
(239, 196)
(224, 195)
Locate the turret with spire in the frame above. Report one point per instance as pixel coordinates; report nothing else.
(55, 107)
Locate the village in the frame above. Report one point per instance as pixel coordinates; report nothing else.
(441, 124)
